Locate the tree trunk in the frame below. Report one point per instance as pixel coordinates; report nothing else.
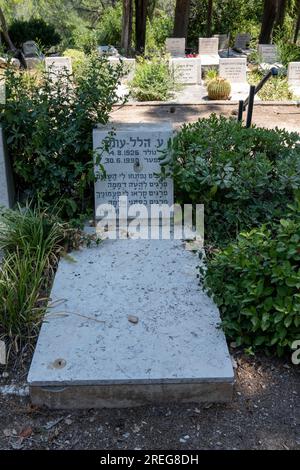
(140, 24)
(126, 26)
(209, 18)
(268, 20)
(282, 4)
(5, 34)
(182, 13)
(297, 27)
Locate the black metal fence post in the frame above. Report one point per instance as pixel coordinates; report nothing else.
(240, 110)
(250, 106)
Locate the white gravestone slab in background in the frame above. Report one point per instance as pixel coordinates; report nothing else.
(294, 73)
(234, 70)
(6, 180)
(242, 41)
(57, 65)
(128, 66)
(268, 53)
(208, 51)
(131, 164)
(175, 47)
(186, 71)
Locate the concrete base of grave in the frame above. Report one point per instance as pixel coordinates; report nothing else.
(129, 325)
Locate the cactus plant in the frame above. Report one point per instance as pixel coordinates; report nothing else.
(218, 89)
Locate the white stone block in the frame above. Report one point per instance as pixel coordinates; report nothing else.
(234, 70)
(186, 70)
(175, 47)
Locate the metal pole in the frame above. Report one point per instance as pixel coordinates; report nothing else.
(240, 110)
(250, 106)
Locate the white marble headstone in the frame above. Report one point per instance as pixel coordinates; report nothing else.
(268, 53)
(131, 164)
(234, 70)
(175, 47)
(6, 180)
(57, 65)
(208, 46)
(186, 70)
(294, 73)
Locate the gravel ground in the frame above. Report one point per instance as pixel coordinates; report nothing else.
(264, 414)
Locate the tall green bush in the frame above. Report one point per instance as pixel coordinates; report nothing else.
(35, 29)
(244, 177)
(48, 128)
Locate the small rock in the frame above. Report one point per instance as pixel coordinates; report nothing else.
(5, 375)
(68, 421)
(133, 319)
(17, 444)
(233, 344)
(7, 432)
(126, 435)
(234, 363)
(26, 432)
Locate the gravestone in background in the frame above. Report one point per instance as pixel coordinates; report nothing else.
(234, 70)
(268, 53)
(57, 65)
(186, 71)
(223, 41)
(175, 47)
(208, 46)
(6, 179)
(30, 49)
(294, 73)
(128, 65)
(131, 163)
(242, 41)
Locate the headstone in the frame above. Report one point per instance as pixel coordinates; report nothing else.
(131, 164)
(176, 46)
(208, 46)
(234, 70)
(108, 50)
(30, 49)
(223, 41)
(294, 73)
(186, 70)
(33, 62)
(6, 179)
(128, 65)
(58, 65)
(242, 41)
(268, 53)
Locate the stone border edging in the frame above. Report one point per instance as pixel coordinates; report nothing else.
(213, 102)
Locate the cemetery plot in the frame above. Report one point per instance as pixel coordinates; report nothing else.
(128, 65)
(294, 73)
(131, 164)
(208, 51)
(58, 65)
(234, 70)
(268, 53)
(187, 71)
(176, 46)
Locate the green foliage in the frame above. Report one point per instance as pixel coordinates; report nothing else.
(244, 177)
(158, 29)
(210, 74)
(48, 127)
(109, 27)
(287, 50)
(31, 241)
(153, 80)
(255, 283)
(275, 89)
(34, 29)
(78, 59)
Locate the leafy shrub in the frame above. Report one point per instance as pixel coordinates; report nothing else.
(48, 126)
(31, 241)
(255, 282)
(109, 28)
(275, 89)
(77, 57)
(244, 177)
(153, 80)
(34, 29)
(158, 29)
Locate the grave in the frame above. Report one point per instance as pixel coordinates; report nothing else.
(128, 64)
(58, 65)
(235, 71)
(242, 41)
(208, 52)
(268, 53)
(294, 77)
(223, 41)
(186, 70)
(128, 323)
(175, 47)
(6, 179)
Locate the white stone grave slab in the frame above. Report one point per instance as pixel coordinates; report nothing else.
(208, 46)
(186, 70)
(268, 53)
(57, 65)
(128, 65)
(234, 70)
(129, 325)
(131, 164)
(6, 179)
(294, 77)
(242, 41)
(175, 47)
